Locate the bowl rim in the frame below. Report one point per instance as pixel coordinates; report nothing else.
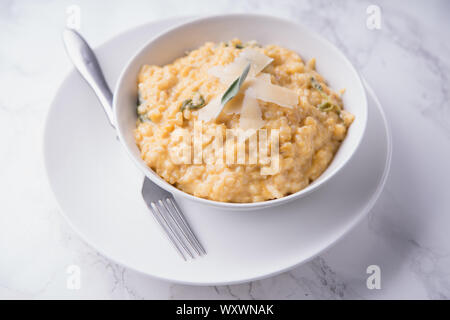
(154, 177)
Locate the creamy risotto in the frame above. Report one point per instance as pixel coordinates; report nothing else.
(280, 91)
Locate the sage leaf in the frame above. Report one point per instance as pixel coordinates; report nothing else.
(143, 118)
(325, 106)
(328, 106)
(185, 104)
(315, 84)
(233, 90)
(189, 104)
(201, 103)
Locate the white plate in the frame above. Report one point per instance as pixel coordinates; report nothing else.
(98, 189)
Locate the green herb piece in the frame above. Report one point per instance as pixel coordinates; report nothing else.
(200, 103)
(325, 106)
(315, 84)
(233, 90)
(143, 118)
(185, 104)
(239, 46)
(328, 106)
(190, 104)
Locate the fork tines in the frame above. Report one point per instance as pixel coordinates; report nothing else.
(180, 234)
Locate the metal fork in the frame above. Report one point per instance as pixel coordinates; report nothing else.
(160, 202)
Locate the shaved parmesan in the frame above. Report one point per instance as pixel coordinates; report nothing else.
(258, 60)
(265, 77)
(269, 92)
(230, 72)
(258, 86)
(211, 110)
(251, 115)
(234, 105)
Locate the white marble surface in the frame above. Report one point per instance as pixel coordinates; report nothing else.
(407, 233)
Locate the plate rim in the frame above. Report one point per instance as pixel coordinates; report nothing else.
(363, 213)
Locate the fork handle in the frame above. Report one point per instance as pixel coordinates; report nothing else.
(87, 65)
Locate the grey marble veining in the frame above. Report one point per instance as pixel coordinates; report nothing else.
(407, 62)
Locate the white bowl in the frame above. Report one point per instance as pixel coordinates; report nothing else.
(168, 46)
